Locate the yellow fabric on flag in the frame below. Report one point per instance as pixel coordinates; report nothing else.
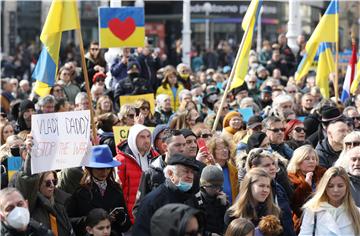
(355, 83)
(326, 66)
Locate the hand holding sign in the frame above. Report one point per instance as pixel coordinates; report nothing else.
(60, 140)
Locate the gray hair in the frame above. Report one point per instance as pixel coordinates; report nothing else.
(347, 109)
(6, 192)
(169, 168)
(183, 93)
(267, 122)
(46, 100)
(80, 96)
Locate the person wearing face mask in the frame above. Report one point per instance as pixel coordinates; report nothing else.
(212, 200)
(179, 174)
(184, 75)
(15, 216)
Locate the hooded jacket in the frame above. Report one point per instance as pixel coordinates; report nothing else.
(132, 165)
(327, 156)
(172, 219)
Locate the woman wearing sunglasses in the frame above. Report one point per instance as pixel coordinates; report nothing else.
(295, 134)
(46, 201)
(143, 107)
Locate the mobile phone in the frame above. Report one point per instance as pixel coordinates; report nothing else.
(137, 111)
(116, 211)
(202, 143)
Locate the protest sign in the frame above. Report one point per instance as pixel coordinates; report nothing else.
(121, 27)
(61, 140)
(132, 99)
(246, 113)
(122, 132)
(14, 164)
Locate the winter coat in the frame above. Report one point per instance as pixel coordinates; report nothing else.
(325, 223)
(89, 197)
(234, 183)
(164, 194)
(214, 208)
(293, 144)
(34, 229)
(130, 172)
(355, 188)
(162, 117)
(71, 90)
(132, 85)
(327, 156)
(39, 206)
(108, 139)
(175, 103)
(91, 63)
(149, 67)
(302, 191)
(69, 179)
(283, 149)
(118, 71)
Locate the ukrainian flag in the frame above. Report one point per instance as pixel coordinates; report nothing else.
(121, 27)
(248, 25)
(62, 16)
(325, 67)
(325, 31)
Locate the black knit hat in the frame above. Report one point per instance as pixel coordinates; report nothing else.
(26, 104)
(240, 88)
(255, 140)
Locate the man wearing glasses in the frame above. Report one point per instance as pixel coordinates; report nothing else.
(274, 129)
(354, 173)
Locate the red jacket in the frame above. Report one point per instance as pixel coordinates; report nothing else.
(129, 173)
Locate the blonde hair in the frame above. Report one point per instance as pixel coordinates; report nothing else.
(241, 207)
(299, 155)
(320, 196)
(124, 110)
(101, 99)
(211, 144)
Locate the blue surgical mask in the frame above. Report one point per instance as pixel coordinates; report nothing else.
(184, 186)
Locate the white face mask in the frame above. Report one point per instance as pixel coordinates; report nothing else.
(18, 218)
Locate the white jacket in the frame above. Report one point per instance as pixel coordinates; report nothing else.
(326, 224)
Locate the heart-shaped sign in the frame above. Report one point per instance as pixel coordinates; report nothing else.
(122, 29)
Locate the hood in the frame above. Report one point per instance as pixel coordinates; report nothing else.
(133, 133)
(158, 129)
(172, 219)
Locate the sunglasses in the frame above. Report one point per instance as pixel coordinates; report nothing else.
(94, 49)
(145, 108)
(352, 144)
(277, 130)
(299, 129)
(49, 183)
(214, 187)
(131, 116)
(205, 135)
(356, 118)
(100, 80)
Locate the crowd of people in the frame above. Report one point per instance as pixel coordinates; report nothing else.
(290, 168)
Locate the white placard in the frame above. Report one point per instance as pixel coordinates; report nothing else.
(61, 140)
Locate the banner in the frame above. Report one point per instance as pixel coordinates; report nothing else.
(121, 133)
(133, 98)
(121, 27)
(61, 140)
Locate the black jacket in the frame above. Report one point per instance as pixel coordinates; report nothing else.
(87, 198)
(34, 229)
(164, 194)
(327, 156)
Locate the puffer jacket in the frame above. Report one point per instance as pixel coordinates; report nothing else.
(327, 156)
(130, 172)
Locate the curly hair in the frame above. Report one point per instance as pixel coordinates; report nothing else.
(270, 225)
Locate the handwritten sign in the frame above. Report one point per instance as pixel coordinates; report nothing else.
(14, 164)
(133, 98)
(121, 133)
(61, 140)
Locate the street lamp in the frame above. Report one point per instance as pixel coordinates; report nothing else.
(207, 8)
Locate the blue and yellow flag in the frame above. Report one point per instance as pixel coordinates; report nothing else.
(121, 27)
(325, 31)
(62, 16)
(248, 24)
(325, 67)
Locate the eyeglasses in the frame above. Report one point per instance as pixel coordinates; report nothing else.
(299, 129)
(355, 118)
(277, 130)
(94, 49)
(100, 80)
(145, 108)
(205, 135)
(58, 90)
(352, 144)
(51, 182)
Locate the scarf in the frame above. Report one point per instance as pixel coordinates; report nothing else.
(230, 130)
(102, 184)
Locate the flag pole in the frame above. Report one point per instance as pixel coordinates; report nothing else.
(87, 85)
(231, 77)
(336, 82)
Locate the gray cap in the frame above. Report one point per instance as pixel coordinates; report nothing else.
(212, 175)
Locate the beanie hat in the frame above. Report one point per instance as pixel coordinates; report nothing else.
(311, 124)
(211, 175)
(290, 127)
(26, 104)
(98, 75)
(255, 140)
(227, 118)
